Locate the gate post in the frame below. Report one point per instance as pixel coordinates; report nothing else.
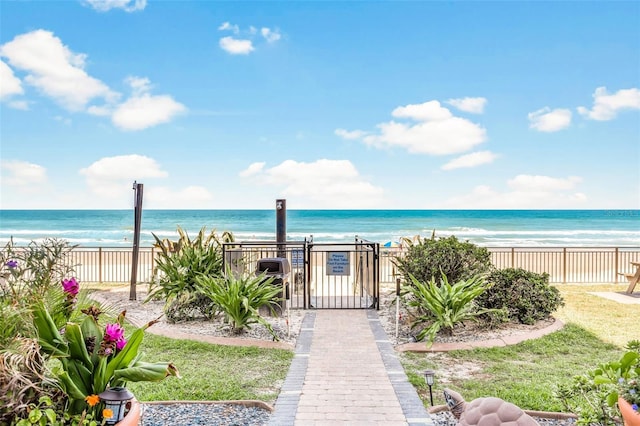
(281, 226)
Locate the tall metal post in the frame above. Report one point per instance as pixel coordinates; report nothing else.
(281, 226)
(137, 220)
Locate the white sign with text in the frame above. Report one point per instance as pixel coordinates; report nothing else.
(338, 263)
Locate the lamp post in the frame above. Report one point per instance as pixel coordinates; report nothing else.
(429, 378)
(115, 399)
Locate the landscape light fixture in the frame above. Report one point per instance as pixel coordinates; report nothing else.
(115, 399)
(429, 377)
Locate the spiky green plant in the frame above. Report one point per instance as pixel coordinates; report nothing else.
(177, 266)
(443, 306)
(240, 298)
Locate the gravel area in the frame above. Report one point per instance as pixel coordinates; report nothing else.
(238, 415)
(194, 414)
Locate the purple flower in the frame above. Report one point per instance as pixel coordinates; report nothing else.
(634, 407)
(113, 333)
(107, 351)
(70, 286)
(120, 344)
(11, 264)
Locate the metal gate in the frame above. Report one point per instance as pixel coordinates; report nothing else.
(323, 275)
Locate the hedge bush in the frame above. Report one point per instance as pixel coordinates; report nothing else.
(521, 295)
(429, 257)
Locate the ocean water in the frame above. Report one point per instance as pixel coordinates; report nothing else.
(489, 228)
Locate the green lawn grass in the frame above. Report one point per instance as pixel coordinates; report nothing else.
(528, 373)
(213, 372)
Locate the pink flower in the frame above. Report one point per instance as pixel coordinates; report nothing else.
(70, 286)
(113, 333)
(120, 344)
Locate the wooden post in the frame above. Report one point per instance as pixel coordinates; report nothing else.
(564, 265)
(100, 264)
(137, 218)
(615, 260)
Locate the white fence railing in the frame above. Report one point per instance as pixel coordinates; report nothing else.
(563, 264)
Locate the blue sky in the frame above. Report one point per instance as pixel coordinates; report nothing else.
(393, 105)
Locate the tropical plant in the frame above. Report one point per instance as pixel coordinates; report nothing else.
(520, 296)
(23, 380)
(432, 258)
(442, 306)
(241, 297)
(177, 266)
(29, 272)
(593, 395)
(93, 356)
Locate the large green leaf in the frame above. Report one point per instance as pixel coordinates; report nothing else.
(146, 372)
(77, 347)
(49, 337)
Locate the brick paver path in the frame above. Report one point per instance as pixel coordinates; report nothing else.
(346, 380)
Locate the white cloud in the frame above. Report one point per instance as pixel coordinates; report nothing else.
(606, 106)
(353, 135)
(322, 183)
(472, 105)
(110, 176)
(54, 69)
(524, 192)
(546, 120)
(9, 84)
(226, 26)
(126, 5)
(470, 160)
(143, 110)
(437, 131)
(236, 46)
(428, 111)
(21, 105)
(253, 169)
(22, 173)
(270, 35)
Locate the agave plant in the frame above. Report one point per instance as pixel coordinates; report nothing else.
(241, 297)
(177, 266)
(443, 305)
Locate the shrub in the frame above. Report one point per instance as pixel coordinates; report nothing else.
(178, 265)
(431, 257)
(30, 272)
(241, 297)
(520, 296)
(443, 306)
(593, 395)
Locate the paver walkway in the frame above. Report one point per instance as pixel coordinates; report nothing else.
(345, 372)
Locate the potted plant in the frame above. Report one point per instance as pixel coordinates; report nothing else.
(95, 357)
(629, 401)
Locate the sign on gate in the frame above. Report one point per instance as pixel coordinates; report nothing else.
(338, 263)
(297, 258)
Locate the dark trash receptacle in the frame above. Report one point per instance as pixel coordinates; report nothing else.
(279, 269)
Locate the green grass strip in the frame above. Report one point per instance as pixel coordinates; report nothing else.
(213, 372)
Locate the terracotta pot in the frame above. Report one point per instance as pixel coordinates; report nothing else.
(630, 417)
(133, 416)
